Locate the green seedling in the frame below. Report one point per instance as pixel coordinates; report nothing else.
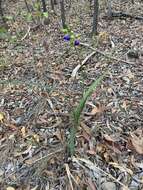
(76, 114)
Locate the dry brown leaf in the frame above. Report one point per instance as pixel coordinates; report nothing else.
(125, 105)
(1, 117)
(39, 64)
(58, 135)
(103, 37)
(91, 152)
(113, 143)
(23, 132)
(36, 138)
(85, 128)
(101, 148)
(129, 74)
(137, 143)
(86, 136)
(107, 156)
(48, 173)
(96, 110)
(11, 126)
(10, 188)
(109, 138)
(110, 91)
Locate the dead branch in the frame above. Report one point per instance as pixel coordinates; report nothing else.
(104, 54)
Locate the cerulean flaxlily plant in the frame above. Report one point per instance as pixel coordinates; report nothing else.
(70, 36)
(76, 42)
(67, 37)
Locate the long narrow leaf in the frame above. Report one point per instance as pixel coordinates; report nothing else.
(78, 110)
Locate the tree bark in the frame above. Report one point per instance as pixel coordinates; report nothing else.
(63, 17)
(1, 12)
(95, 17)
(44, 6)
(52, 4)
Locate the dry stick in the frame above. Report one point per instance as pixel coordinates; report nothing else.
(50, 154)
(26, 34)
(94, 168)
(76, 69)
(74, 72)
(58, 114)
(69, 175)
(122, 14)
(52, 107)
(104, 54)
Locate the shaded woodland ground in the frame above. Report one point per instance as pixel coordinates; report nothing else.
(38, 93)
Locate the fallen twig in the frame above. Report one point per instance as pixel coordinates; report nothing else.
(69, 175)
(48, 155)
(122, 14)
(26, 34)
(74, 72)
(76, 69)
(104, 54)
(58, 114)
(93, 167)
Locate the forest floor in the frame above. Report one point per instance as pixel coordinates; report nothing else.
(38, 94)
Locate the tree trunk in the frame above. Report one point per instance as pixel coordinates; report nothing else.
(52, 5)
(44, 6)
(63, 17)
(95, 17)
(1, 13)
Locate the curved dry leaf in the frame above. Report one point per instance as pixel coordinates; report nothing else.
(1, 117)
(109, 138)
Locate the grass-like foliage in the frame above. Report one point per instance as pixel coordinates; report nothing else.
(77, 113)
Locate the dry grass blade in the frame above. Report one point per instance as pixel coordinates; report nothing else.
(69, 176)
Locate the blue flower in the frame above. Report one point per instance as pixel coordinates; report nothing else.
(76, 42)
(67, 37)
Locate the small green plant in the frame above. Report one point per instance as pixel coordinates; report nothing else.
(45, 14)
(77, 113)
(28, 17)
(9, 18)
(70, 36)
(3, 33)
(35, 14)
